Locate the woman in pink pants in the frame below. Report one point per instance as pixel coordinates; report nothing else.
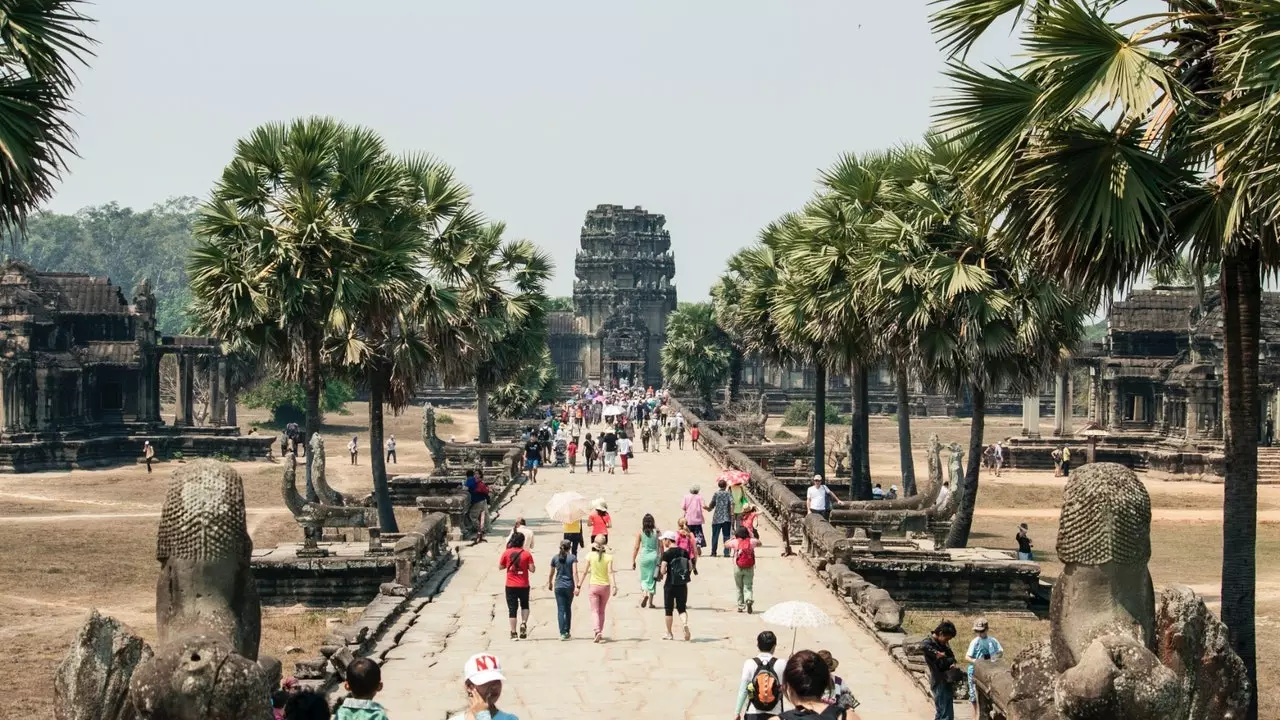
(601, 581)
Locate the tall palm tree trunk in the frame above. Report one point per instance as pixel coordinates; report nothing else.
(904, 434)
(859, 484)
(820, 419)
(377, 461)
(1241, 319)
(864, 431)
(482, 411)
(735, 373)
(963, 522)
(314, 383)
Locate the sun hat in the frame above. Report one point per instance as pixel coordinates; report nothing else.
(980, 624)
(668, 535)
(599, 504)
(817, 477)
(893, 488)
(481, 669)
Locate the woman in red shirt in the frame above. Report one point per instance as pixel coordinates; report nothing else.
(694, 432)
(600, 521)
(518, 563)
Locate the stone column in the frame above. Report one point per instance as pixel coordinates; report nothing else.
(1031, 416)
(42, 399)
(184, 408)
(1115, 409)
(217, 391)
(1061, 404)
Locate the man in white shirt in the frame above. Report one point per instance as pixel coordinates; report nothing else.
(744, 708)
(391, 449)
(819, 497)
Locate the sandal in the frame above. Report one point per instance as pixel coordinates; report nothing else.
(687, 635)
(644, 601)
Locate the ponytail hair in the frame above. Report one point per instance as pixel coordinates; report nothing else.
(564, 549)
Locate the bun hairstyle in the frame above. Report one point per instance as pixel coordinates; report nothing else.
(807, 676)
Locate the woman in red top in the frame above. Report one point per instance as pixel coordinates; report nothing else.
(694, 432)
(518, 563)
(600, 521)
(749, 517)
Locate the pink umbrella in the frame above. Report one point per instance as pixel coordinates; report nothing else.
(734, 477)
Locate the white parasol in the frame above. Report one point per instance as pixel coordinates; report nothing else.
(567, 507)
(611, 410)
(796, 614)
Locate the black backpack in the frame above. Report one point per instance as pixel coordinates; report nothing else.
(678, 570)
(765, 690)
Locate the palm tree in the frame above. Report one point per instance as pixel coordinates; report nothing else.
(387, 304)
(501, 289)
(533, 386)
(697, 354)
(278, 241)
(40, 42)
(1119, 142)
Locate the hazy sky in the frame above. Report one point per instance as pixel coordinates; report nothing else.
(716, 113)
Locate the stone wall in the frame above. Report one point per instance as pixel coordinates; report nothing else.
(109, 450)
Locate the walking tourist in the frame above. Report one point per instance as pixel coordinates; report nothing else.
(645, 559)
(670, 432)
(518, 563)
(692, 506)
(942, 669)
(609, 444)
(744, 570)
(680, 432)
(589, 452)
(573, 535)
(364, 680)
(391, 449)
(306, 705)
(148, 453)
(532, 457)
(739, 495)
(521, 528)
(624, 451)
(353, 447)
(760, 688)
(1024, 543)
(694, 432)
(721, 507)
(819, 498)
(750, 516)
(675, 570)
(602, 578)
(655, 432)
(561, 581)
(572, 450)
(1057, 461)
(1066, 460)
(982, 647)
(997, 455)
(807, 680)
(839, 694)
(482, 680)
(687, 540)
(600, 520)
(478, 496)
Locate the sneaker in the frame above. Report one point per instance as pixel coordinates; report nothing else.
(524, 631)
(739, 608)
(564, 636)
(749, 603)
(513, 634)
(687, 635)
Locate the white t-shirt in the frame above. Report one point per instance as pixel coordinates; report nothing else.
(624, 445)
(817, 497)
(391, 444)
(749, 671)
(943, 494)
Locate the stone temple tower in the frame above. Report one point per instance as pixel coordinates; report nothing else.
(622, 294)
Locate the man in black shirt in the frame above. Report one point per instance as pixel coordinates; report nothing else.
(532, 458)
(609, 446)
(674, 569)
(942, 665)
(1024, 543)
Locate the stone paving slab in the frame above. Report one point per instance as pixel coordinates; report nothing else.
(636, 673)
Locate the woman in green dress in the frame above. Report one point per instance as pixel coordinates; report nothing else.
(645, 557)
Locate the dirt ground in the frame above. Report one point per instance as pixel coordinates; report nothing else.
(83, 539)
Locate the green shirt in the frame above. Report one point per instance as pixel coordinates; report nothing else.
(357, 709)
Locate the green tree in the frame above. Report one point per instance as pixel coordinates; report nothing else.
(501, 288)
(277, 251)
(1118, 142)
(41, 42)
(534, 386)
(560, 304)
(697, 353)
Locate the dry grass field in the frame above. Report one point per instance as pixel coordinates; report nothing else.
(83, 539)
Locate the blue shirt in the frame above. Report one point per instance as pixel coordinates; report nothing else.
(983, 648)
(475, 497)
(564, 571)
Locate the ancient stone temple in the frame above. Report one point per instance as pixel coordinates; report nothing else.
(622, 294)
(80, 375)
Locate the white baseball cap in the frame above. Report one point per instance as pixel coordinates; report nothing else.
(482, 668)
(668, 535)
